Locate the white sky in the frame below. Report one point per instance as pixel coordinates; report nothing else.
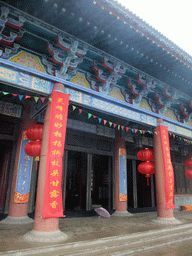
(172, 18)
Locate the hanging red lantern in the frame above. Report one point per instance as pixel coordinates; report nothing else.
(147, 168)
(188, 174)
(188, 163)
(145, 155)
(33, 148)
(35, 132)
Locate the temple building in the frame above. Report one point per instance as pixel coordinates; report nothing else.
(129, 89)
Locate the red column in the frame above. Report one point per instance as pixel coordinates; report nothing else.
(15, 209)
(44, 224)
(162, 211)
(120, 207)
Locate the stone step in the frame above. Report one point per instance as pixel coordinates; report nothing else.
(116, 245)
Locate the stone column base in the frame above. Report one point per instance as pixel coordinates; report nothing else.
(17, 220)
(121, 214)
(46, 237)
(164, 221)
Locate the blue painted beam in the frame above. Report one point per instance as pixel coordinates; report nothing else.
(92, 93)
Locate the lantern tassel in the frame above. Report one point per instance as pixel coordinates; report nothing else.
(147, 176)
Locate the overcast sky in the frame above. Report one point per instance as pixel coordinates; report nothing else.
(172, 18)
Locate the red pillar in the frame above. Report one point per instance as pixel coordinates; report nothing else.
(162, 212)
(16, 210)
(40, 224)
(120, 207)
(44, 224)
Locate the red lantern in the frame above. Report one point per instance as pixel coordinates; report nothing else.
(188, 163)
(35, 132)
(147, 168)
(188, 174)
(145, 155)
(33, 148)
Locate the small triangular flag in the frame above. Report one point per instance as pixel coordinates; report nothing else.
(94, 116)
(36, 98)
(26, 96)
(80, 111)
(100, 119)
(135, 130)
(74, 107)
(89, 115)
(127, 128)
(5, 93)
(114, 125)
(110, 123)
(122, 127)
(15, 95)
(50, 99)
(140, 131)
(42, 99)
(20, 97)
(143, 132)
(105, 121)
(118, 127)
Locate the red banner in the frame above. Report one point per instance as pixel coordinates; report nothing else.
(168, 168)
(53, 206)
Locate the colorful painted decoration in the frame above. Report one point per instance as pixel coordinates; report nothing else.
(145, 155)
(35, 132)
(33, 148)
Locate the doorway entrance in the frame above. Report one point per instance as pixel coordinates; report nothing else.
(101, 185)
(5, 160)
(141, 197)
(76, 183)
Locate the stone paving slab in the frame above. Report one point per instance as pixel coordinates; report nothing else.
(88, 228)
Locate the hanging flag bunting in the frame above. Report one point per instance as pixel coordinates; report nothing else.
(110, 123)
(122, 127)
(94, 116)
(26, 97)
(99, 120)
(21, 97)
(140, 131)
(89, 115)
(135, 130)
(80, 111)
(105, 121)
(15, 95)
(36, 98)
(42, 99)
(127, 128)
(74, 107)
(132, 130)
(114, 125)
(143, 132)
(118, 127)
(5, 93)
(50, 99)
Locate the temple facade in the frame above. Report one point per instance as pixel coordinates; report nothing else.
(129, 89)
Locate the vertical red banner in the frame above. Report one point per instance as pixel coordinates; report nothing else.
(53, 205)
(168, 168)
